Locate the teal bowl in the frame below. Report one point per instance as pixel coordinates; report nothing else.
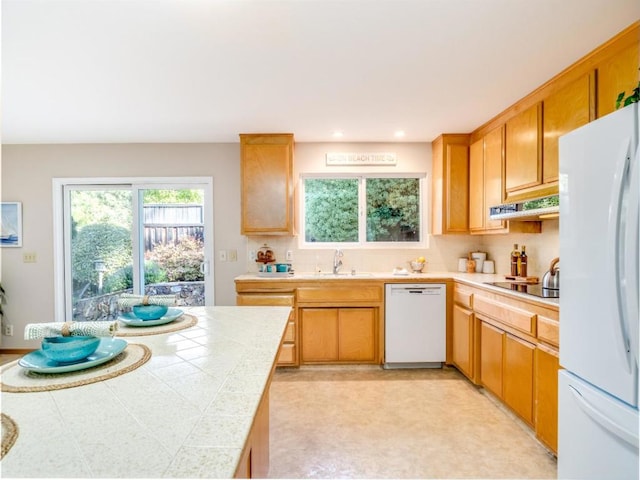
(150, 312)
(69, 349)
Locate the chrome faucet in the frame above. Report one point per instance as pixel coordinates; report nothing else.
(337, 263)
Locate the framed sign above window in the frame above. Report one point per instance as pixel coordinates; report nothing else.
(11, 229)
(361, 159)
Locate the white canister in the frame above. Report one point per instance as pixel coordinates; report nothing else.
(462, 264)
(479, 257)
(488, 267)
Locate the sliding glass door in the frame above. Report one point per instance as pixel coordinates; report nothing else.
(146, 236)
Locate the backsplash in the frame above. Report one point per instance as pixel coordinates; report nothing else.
(442, 254)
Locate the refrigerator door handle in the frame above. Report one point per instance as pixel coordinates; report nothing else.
(616, 251)
(596, 415)
(632, 247)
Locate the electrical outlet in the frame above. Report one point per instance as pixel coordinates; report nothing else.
(29, 257)
(8, 330)
(252, 255)
(222, 255)
(232, 255)
(289, 256)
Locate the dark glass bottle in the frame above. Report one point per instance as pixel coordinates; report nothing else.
(523, 262)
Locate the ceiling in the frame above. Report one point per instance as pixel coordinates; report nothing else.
(103, 71)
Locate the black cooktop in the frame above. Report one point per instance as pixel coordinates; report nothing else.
(530, 288)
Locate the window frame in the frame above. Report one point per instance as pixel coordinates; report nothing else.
(362, 218)
(61, 228)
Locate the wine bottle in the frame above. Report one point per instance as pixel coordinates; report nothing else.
(515, 257)
(523, 262)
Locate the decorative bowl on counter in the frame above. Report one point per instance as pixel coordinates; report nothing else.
(149, 312)
(417, 267)
(69, 349)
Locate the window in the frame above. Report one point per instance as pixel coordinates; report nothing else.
(140, 235)
(362, 210)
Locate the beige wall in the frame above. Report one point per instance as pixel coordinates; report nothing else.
(27, 173)
(28, 170)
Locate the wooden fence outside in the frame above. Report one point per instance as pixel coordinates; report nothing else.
(168, 224)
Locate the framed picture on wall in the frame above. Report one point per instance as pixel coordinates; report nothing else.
(11, 228)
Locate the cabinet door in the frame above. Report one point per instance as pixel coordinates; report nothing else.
(266, 170)
(523, 153)
(450, 186)
(617, 74)
(319, 334)
(564, 110)
(463, 340)
(518, 376)
(476, 186)
(356, 334)
(547, 367)
(493, 176)
(491, 358)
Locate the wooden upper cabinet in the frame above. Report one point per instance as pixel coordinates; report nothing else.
(476, 186)
(486, 182)
(266, 171)
(450, 187)
(617, 74)
(523, 150)
(564, 111)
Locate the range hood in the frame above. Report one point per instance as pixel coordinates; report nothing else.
(530, 210)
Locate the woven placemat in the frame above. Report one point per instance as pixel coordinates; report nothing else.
(9, 434)
(180, 323)
(16, 379)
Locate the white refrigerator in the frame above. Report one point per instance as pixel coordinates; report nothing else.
(599, 263)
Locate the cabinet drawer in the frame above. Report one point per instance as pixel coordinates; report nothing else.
(340, 294)
(290, 332)
(515, 317)
(262, 299)
(463, 297)
(549, 330)
(287, 354)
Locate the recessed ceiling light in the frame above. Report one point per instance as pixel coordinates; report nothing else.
(337, 134)
(399, 134)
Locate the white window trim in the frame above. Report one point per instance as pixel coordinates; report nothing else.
(424, 233)
(60, 307)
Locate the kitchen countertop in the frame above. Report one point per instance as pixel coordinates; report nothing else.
(474, 279)
(187, 412)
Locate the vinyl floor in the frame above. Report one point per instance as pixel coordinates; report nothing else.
(367, 422)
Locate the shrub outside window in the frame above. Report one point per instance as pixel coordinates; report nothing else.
(362, 210)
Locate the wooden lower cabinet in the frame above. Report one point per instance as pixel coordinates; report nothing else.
(491, 348)
(319, 339)
(506, 369)
(546, 407)
(463, 340)
(331, 335)
(518, 376)
(288, 355)
(254, 461)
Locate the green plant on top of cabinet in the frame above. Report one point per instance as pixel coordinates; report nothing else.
(450, 184)
(266, 172)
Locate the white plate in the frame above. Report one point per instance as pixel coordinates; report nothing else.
(131, 320)
(108, 348)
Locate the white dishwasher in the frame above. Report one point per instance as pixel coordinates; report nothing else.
(415, 325)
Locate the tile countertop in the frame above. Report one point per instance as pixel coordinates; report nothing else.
(186, 413)
(473, 279)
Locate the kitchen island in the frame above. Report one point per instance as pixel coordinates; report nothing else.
(196, 409)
